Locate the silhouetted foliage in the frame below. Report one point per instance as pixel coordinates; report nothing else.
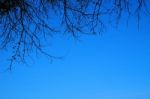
(24, 23)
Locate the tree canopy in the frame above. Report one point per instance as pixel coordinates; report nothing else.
(25, 23)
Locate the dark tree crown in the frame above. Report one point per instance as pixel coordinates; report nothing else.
(24, 23)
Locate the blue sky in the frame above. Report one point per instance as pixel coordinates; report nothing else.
(114, 65)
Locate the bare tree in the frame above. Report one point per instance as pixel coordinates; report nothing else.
(25, 23)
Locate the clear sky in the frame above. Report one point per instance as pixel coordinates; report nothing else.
(115, 65)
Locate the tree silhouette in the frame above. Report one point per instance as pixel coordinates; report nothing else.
(25, 23)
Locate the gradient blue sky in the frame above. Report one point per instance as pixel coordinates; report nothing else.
(115, 65)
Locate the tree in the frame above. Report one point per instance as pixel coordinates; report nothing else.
(25, 23)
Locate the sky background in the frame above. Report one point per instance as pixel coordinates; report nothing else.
(114, 65)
